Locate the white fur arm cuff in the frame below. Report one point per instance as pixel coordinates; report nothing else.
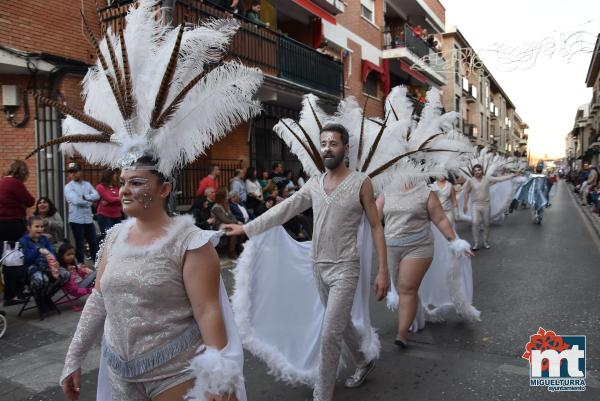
(215, 374)
(459, 247)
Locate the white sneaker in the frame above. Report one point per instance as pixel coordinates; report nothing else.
(359, 375)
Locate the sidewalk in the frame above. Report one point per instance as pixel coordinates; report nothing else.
(593, 218)
(32, 352)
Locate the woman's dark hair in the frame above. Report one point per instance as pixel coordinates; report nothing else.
(51, 207)
(251, 173)
(107, 175)
(64, 248)
(340, 129)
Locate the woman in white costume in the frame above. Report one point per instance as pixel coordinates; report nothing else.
(156, 99)
(408, 211)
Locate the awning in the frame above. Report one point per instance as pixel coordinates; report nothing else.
(383, 73)
(413, 73)
(316, 10)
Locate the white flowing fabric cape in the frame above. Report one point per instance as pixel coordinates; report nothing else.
(278, 309)
(447, 286)
(501, 194)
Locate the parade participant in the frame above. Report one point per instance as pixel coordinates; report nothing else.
(533, 193)
(274, 274)
(408, 211)
(338, 198)
(480, 185)
(159, 305)
(447, 197)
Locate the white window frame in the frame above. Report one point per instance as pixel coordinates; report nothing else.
(370, 6)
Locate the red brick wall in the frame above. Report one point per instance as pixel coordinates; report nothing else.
(352, 20)
(234, 146)
(438, 9)
(354, 85)
(52, 27)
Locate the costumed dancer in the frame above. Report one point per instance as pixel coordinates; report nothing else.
(339, 197)
(410, 208)
(447, 197)
(533, 193)
(481, 212)
(156, 99)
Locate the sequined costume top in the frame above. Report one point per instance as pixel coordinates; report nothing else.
(406, 217)
(149, 328)
(336, 217)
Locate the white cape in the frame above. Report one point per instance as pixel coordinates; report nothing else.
(501, 194)
(278, 309)
(233, 351)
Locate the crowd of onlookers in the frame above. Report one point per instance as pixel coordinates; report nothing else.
(585, 184)
(47, 262)
(238, 7)
(248, 195)
(38, 261)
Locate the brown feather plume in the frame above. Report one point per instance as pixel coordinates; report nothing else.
(396, 159)
(78, 138)
(393, 111)
(315, 151)
(362, 130)
(84, 118)
(115, 63)
(161, 96)
(111, 81)
(375, 144)
(174, 105)
(313, 157)
(127, 86)
(315, 116)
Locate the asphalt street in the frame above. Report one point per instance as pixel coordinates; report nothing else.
(534, 276)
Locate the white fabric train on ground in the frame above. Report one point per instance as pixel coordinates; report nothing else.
(278, 309)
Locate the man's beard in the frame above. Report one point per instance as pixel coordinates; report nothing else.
(332, 162)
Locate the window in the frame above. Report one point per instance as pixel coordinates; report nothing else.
(370, 85)
(457, 104)
(481, 125)
(367, 9)
(457, 64)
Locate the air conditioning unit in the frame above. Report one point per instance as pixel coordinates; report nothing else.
(10, 96)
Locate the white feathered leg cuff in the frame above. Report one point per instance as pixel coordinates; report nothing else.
(459, 247)
(215, 374)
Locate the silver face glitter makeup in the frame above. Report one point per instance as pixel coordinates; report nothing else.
(140, 191)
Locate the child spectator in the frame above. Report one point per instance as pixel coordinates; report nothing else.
(66, 259)
(45, 275)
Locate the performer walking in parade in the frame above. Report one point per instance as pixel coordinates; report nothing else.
(534, 193)
(159, 308)
(339, 197)
(480, 185)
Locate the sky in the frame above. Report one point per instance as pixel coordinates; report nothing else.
(546, 90)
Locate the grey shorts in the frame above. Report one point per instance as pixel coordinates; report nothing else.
(146, 390)
(420, 251)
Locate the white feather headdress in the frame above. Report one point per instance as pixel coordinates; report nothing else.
(397, 148)
(490, 162)
(158, 92)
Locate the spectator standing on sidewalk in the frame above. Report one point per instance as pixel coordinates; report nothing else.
(108, 212)
(210, 181)
(238, 185)
(14, 201)
(80, 196)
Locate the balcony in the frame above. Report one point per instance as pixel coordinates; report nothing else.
(400, 42)
(595, 103)
(332, 6)
(275, 54)
(472, 94)
(470, 129)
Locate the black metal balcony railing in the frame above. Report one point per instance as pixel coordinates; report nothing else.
(274, 53)
(402, 35)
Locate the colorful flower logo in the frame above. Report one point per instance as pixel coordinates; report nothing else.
(544, 340)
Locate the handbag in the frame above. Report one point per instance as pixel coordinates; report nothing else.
(12, 256)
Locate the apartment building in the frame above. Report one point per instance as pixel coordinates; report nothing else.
(487, 115)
